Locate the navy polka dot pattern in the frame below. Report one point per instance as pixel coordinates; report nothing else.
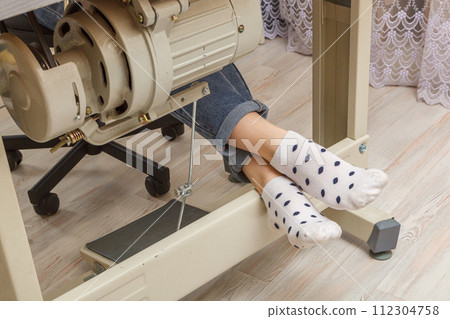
(294, 148)
(295, 215)
(325, 176)
(307, 158)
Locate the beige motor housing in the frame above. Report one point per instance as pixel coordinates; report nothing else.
(117, 62)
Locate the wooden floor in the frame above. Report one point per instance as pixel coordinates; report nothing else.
(409, 140)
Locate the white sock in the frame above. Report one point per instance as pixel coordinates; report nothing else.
(337, 183)
(288, 210)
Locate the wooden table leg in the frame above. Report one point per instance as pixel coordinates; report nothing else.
(18, 278)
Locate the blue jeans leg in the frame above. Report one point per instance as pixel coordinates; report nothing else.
(48, 16)
(219, 113)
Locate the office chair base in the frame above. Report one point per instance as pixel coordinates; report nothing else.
(46, 203)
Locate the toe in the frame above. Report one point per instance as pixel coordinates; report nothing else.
(317, 233)
(379, 177)
(328, 229)
(301, 242)
(335, 230)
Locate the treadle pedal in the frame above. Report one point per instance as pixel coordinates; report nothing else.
(124, 243)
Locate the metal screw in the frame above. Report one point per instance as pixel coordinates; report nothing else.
(174, 18)
(141, 18)
(205, 91)
(88, 111)
(241, 28)
(362, 148)
(77, 118)
(126, 2)
(108, 116)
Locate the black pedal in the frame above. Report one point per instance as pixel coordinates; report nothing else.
(144, 232)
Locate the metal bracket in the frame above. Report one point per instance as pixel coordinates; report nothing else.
(184, 191)
(97, 269)
(157, 13)
(194, 93)
(145, 14)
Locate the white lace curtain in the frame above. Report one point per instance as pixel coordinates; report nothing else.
(410, 41)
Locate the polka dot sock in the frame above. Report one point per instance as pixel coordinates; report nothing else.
(289, 211)
(325, 176)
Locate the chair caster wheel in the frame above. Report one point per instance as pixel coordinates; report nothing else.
(48, 206)
(179, 128)
(155, 187)
(14, 159)
(172, 132)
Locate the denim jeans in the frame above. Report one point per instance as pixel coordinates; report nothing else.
(49, 15)
(217, 114)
